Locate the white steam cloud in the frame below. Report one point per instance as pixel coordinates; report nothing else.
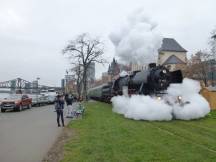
(139, 107)
(139, 37)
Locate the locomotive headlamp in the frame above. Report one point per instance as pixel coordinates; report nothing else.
(159, 98)
(179, 97)
(164, 71)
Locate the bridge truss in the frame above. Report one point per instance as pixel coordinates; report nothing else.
(21, 84)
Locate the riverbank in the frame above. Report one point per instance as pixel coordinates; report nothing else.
(106, 136)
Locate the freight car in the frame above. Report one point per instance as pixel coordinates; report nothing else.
(152, 81)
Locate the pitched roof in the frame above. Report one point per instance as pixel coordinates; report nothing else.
(173, 60)
(170, 44)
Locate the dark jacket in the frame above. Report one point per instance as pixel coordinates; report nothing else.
(69, 100)
(59, 104)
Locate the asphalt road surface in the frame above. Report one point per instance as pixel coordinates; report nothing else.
(27, 136)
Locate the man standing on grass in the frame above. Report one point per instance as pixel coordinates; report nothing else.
(59, 106)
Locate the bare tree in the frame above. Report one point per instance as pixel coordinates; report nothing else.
(77, 71)
(212, 43)
(82, 51)
(198, 66)
(201, 65)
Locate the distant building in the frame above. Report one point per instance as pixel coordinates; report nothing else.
(68, 83)
(137, 67)
(98, 82)
(123, 67)
(71, 86)
(91, 72)
(27, 87)
(35, 86)
(106, 77)
(68, 78)
(63, 83)
(172, 54)
(113, 68)
(195, 59)
(116, 68)
(211, 70)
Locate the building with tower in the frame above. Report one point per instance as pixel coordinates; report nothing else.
(172, 54)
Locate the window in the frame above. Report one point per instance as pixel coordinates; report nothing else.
(161, 54)
(24, 97)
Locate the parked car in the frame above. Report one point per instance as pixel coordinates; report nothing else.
(38, 99)
(51, 99)
(43, 99)
(16, 102)
(35, 100)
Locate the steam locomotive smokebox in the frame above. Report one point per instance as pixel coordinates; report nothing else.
(152, 65)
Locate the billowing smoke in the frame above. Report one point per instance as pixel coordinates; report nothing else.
(142, 108)
(190, 106)
(189, 91)
(139, 37)
(138, 42)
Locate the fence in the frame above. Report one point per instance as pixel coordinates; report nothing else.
(210, 96)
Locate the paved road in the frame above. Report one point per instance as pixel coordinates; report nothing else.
(27, 136)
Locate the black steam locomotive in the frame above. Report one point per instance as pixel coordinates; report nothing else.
(152, 81)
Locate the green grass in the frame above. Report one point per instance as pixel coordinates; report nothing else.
(106, 136)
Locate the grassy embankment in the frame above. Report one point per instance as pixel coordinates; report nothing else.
(105, 136)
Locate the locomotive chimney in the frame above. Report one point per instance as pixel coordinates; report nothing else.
(152, 65)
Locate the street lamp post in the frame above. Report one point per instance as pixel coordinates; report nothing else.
(37, 84)
(66, 82)
(37, 79)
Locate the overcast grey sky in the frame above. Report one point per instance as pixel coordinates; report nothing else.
(33, 32)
